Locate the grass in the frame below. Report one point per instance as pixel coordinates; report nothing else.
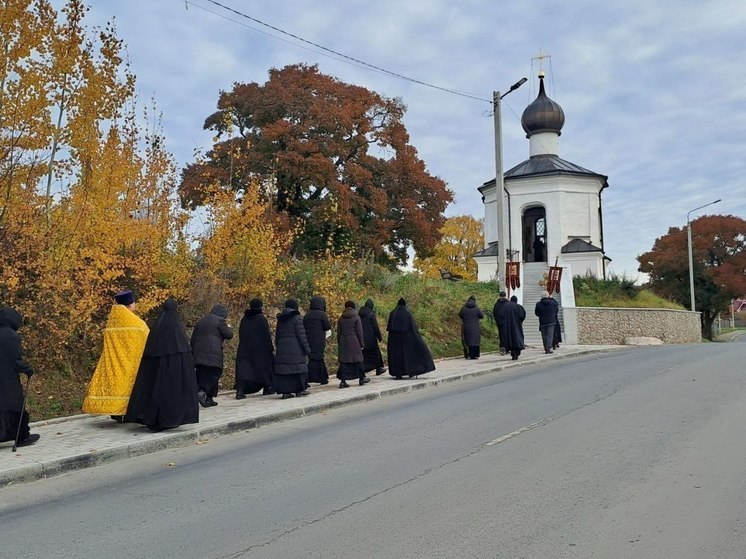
(618, 292)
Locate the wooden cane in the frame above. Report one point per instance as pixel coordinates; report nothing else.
(23, 409)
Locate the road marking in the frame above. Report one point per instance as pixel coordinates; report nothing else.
(672, 368)
(517, 432)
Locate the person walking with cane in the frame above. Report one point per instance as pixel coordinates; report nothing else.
(14, 418)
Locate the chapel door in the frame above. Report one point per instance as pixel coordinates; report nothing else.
(534, 227)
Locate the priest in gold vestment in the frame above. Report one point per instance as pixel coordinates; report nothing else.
(124, 342)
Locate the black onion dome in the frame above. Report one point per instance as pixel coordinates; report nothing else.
(543, 115)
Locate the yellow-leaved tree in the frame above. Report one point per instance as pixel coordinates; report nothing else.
(461, 238)
(87, 199)
(242, 253)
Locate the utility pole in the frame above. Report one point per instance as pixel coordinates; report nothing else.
(502, 249)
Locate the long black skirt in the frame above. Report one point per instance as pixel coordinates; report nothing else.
(208, 379)
(165, 392)
(372, 358)
(251, 387)
(9, 425)
(289, 384)
(350, 371)
(317, 371)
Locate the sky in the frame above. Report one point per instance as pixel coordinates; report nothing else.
(654, 93)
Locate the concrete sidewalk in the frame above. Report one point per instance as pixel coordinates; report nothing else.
(84, 441)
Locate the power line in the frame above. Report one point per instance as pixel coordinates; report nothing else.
(357, 61)
(253, 28)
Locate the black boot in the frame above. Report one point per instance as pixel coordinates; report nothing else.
(240, 395)
(202, 398)
(381, 370)
(211, 402)
(364, 380)
(31, 439)
(286, 396)
(344, 384)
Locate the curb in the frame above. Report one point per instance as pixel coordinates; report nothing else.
(39, 470)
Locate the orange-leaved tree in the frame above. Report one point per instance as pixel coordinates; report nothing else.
(334, 158)
(719, 265)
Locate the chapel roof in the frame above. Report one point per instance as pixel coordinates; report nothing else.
(579, 245)
(544, 164)
(491, 250)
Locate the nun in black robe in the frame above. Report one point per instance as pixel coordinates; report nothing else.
(512, 331)
(165, 392)
(407, 352)
(317, 324)
(372, 356)
(290, 377)
(255, 354)
(12, 364)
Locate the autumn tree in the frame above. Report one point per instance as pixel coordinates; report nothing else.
(242, 251)
(719, 262)
(335, 158)
(461, 238)
(88, 195)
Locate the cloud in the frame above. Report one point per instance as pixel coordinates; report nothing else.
(652, 91)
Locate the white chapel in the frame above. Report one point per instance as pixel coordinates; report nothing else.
(553, 209)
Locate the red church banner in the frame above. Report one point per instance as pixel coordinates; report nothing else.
(513, 275)
(553, 279)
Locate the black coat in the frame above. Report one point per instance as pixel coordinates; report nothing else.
(499, 310)
(208, 336)
(291, 343)
(511, 333)
(255, 354)
(165, 390)
(316, 322)
(11, 364)
(470, 315)
(350, 337)
(545, 311)
(372, 357)
(407, 352)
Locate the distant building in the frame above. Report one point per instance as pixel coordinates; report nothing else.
(553, 208)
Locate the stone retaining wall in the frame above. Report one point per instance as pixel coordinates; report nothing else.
(604, 325)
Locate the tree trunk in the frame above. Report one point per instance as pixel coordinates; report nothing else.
(706, 320)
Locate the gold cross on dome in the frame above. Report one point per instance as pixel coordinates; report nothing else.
(541, 58)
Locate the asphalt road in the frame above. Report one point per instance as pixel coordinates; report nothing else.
(638, 454)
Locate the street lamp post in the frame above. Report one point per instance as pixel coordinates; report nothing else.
(499, 185)
(689, 246)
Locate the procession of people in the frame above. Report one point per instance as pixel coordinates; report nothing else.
(159, 377)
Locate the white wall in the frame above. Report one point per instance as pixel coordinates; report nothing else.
(486, 268)
(584, 262)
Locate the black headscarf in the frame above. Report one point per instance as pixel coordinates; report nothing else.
(255, 308)
(400, 319)
(220, 310)
(369, 303)
(167, 336)
(318, 304)
(10, 317)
